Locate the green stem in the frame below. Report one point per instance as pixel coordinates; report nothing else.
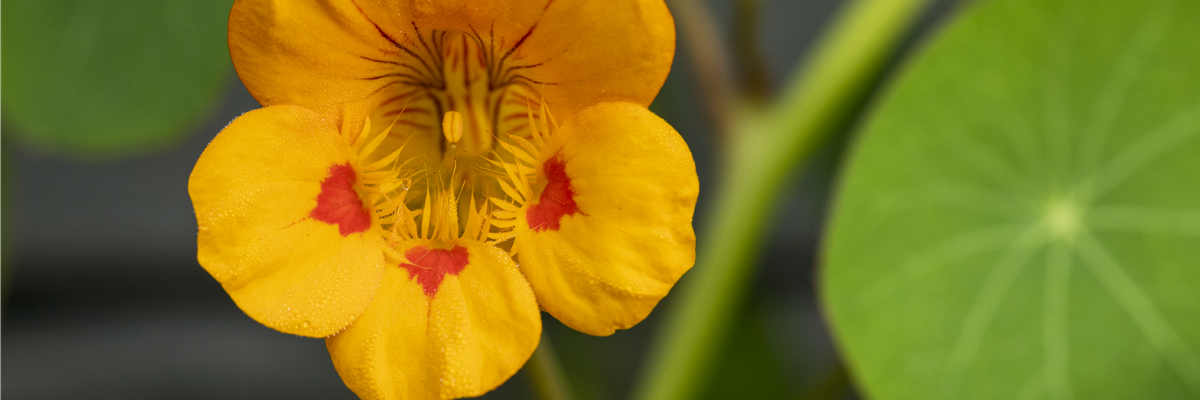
(766, 146)
(545, 374)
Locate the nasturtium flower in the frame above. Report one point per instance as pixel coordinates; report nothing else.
(426, 176)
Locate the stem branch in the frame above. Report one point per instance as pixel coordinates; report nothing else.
(766, 145)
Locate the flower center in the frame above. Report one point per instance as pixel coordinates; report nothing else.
(449, 151)
(449, 99)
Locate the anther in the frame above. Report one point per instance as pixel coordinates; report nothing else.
(452, 126)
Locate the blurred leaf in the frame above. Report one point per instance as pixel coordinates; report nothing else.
(1021, 217)
(103, 78)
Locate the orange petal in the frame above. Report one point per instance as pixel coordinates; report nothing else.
(313, 54)
(597, 50)
(292, 262)
(611, 230)
(440, 328)
(578, 52)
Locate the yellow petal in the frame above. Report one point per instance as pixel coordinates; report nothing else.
(440, 335)
(603, 249)
(282, 256)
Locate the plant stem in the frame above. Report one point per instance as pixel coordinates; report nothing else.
(545, 374)
(766, 146)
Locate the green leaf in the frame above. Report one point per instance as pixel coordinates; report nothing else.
(1020, 218)
(104, 78)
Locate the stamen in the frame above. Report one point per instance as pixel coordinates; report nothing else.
(452, 126)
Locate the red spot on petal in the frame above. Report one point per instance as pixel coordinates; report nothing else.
(339, 204)
(432, 265)
(558, 199)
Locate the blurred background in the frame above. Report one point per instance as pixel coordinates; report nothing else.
(104, 299)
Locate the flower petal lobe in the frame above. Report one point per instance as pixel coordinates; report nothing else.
(477, 332)
(634, 184)
(255, 190)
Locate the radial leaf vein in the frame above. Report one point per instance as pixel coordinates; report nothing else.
(1057, 114)
(1176, 131)
(1141, 309)
(1145, 220)
(965, 197)
(929, 259)
(960, 246)
(1119, 83)
(1022, 137)
(1055, 321)
(983, 310)
(984, 160)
